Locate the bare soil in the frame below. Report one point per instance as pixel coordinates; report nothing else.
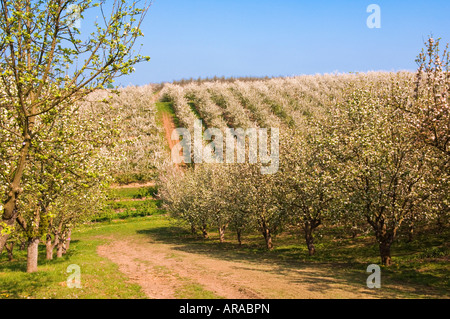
(169, 126)
(133, 185)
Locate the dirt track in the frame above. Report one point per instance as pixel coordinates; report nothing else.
(161, 269)
(169, 126)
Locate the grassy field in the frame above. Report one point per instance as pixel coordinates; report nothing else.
(418, 272)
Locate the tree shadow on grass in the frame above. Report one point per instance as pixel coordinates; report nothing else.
(16, 283)
(290, 262)
(25, 286)
(333, 266)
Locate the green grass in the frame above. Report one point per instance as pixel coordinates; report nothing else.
(128, 178)
(132, 193)
(130, 202)
(165, 108)
(126, 209)
(194, 291)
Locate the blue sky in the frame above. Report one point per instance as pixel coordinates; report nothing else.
(203, 38)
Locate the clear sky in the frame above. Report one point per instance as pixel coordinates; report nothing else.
(204, 38)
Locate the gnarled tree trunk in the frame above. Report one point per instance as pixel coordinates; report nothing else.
(60, 249)
(222, 233)
(385, 253)
(69, 234)
(267, 235)
(10, 248)
(204, 231)
(9, 219)
(10, 212)
(385, 239)
(239, 236)
(50, 245)
(310, 243)
(308, 229)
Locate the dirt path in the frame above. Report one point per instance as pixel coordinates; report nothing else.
(162, 269)
(169, 126)
(133, 185)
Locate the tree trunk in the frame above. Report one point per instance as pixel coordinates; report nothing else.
(10, 249)
(32, 255)
(10, 212)
(354, 230)
(268, 238)
(49, 247)
(69, 234)
(239, 238)
(23, 245)
(204, 232)
(439, 224)
(59, 249)
(385, 239)
(309, 240)
(385, 253)
(193, 229)
(410, 233)
(9, 219)
(222, 234)
(308, 229)
(3, 239)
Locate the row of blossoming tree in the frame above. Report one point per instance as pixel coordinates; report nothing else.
(375, 158)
